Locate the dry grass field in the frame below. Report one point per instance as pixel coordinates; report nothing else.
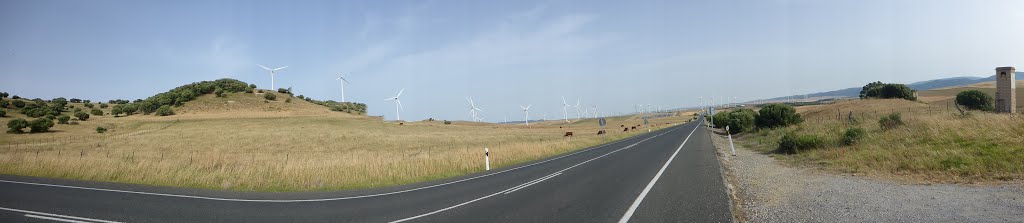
(934, 144)
(243, 143)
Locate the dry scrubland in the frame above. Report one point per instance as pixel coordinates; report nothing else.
(241, 143)
(934, 144)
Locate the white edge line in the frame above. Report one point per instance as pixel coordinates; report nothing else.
(558, 172)
(639, 199)
(322, 199)
(55, 219)
(55, 215)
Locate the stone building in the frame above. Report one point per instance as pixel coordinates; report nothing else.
(1006, 87)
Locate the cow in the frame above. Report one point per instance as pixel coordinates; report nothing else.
(622, 125)
(401, 123)
(625, 129)
(568, 134)
(633, 128)
(600, 132)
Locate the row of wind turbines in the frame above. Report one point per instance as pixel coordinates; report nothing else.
(473, 110)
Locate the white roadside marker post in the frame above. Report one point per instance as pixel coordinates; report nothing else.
(730, 141)
(487, 158)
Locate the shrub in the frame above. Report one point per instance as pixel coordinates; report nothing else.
(253, 86)
(18, 103)
(4, 104)
(3, 94)
(40, 125)
(878, 89)
(75, 100)
(97, 112)
(63, 119)
(59, 103)
(3, 113)
(101, 130)
(446, 122)
(15, 126)
(777, 115)
(288, 100)
(103, 105)
(720, 119)
(270, 96)
(88, 105)
(852, 136)
(259, 91)
(792, 143)
(164, 110)
(301, 97)
(975, 100)
(219, 92)
(741, 120)
(82, 116)
(15, 97)
(285, 90)
(51, 117)
(890, 121)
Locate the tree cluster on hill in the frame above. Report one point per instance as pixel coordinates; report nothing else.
(746, 120)
(975, 100)
(881, 90)
(349, 107)
(161, 103)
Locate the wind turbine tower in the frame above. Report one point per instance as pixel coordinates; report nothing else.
(272, 72)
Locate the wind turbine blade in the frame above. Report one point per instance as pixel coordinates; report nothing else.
(345, 80)
(400, 93)
(275, 69)
(528, 106)
(524, 108)
(400, 104)
(563, 101)
(263, 67)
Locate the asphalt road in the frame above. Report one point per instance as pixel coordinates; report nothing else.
(671, 175)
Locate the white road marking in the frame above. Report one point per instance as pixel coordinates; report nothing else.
(41, 214)
(309, 200)
(532, 183)
(636, 203)
(541, 179)
(55, 219)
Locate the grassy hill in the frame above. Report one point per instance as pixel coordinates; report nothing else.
(242, 142)
(935, 143)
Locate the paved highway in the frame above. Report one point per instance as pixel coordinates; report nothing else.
(670, 175)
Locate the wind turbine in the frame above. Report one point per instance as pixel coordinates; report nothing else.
(398, 104)
(272, 72)
(342, 80)
(577, 108)
(473, 110)
(565, 111)
(527, 111)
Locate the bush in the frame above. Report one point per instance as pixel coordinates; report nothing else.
(18, 103)
(720, 119)
(59, 103)
(446, 122)
(164, 110)
(101, 130)
(777, 115)
(88, 105)
(269, 96)
(103, 105)
(285, 90)
(3, 113)
(289, 100)
(741, 120)
(97, 112)
(4, 104)
(63, 119)
(852, 136)
(75, 100)
(878, 89)
(890, 121)
(15, 126)
(792, 143)
(51, 117)
(15, 97)
(975, 100)
(219, 92)
(82, 116)
(253, 86)
(3, 94)
(40, 125)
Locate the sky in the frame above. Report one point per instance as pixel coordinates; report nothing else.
(609, 54)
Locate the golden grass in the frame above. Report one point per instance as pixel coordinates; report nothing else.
(281, 146)
(933, 145)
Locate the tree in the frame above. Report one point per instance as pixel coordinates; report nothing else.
(15, 126)
(130, 109)
(4, 104)
(741, 120)
(975, 100)
(59, 103)
(3, 113)
(269, 96)
(885, 91)
(103, 105)
(75, 100)
(97, 112)
(3, 94)
(18, 103)
(117, 110)
(871, 89)
(777, 115)
(82, 116)
(63, 119)
(40, 125)
(164, 110)
(89, 105)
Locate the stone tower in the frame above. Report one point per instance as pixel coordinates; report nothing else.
(1006, 87)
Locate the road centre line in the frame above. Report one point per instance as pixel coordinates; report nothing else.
(639, 199)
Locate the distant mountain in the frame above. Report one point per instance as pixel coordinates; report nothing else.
(918, 86)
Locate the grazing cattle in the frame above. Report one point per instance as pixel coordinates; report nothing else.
(634, 128)
(401, 123)
(568, 134)
(600, 132)
(559, 126)
(625, 129)
(622, 126)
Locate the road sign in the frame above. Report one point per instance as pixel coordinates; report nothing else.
(602, 122)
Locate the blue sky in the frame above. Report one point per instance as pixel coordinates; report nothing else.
(612, 54)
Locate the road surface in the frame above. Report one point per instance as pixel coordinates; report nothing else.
(670, 175)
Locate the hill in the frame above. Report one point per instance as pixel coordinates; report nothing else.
(854, 92)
